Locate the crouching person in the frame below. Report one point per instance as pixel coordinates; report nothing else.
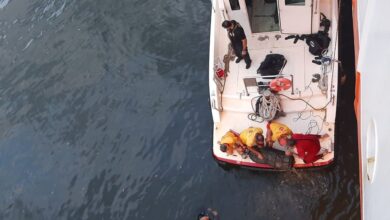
(243, 143)
(229, 142)
(276, 134)
(306, 146)
(253, 139)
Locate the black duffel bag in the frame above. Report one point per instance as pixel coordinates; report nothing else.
(272, 65)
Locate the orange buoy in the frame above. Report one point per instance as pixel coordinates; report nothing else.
(280, 84)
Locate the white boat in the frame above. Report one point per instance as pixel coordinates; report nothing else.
(372, 53)
(266, 24)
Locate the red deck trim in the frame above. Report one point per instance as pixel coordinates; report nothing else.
(248, 164)
(266, 166)
(315, 164)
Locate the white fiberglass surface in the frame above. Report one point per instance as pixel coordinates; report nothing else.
(373, 65)
(299, 117)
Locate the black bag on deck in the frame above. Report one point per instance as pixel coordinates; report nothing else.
(318, 43)
(272, 65)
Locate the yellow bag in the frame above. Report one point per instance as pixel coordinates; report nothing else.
(278, 130)
(248, 136)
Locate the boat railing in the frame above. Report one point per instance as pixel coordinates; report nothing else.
(263, 81)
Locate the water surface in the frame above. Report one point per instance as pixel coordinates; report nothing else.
(104, 114)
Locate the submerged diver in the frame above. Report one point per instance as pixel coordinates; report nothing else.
(208, 214)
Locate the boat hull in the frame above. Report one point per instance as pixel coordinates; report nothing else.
(267, 167)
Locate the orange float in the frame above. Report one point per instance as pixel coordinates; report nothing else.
(280, 84)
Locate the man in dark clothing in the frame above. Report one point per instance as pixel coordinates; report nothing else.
(238, 39)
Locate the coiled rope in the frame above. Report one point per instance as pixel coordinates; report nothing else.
(266, 108)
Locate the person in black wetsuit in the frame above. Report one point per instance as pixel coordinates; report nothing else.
(208, 214)
(238, 39)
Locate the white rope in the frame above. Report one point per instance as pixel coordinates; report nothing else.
(269, 105)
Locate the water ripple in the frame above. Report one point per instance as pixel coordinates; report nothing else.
(4, 3)
(104, 115)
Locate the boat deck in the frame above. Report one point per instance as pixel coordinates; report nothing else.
(300, 118)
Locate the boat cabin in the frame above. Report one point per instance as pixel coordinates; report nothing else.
(285, 16)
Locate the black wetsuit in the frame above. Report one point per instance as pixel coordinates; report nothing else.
(209, 213)
(236, 36)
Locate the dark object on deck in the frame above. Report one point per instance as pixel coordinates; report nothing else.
(275, 158)
(318, 43)
(325, 23)
(272, 65)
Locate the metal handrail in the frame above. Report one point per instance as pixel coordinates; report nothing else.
(271, 77)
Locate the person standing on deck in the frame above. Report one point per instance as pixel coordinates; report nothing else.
(238, 39)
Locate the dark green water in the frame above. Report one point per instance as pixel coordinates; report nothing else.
(104, 114)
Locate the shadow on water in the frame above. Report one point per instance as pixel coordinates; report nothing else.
(105, 115)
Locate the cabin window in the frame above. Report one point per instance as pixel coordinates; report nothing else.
(295, 2)
(234, 4)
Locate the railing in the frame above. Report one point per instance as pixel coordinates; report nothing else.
(254, 81)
